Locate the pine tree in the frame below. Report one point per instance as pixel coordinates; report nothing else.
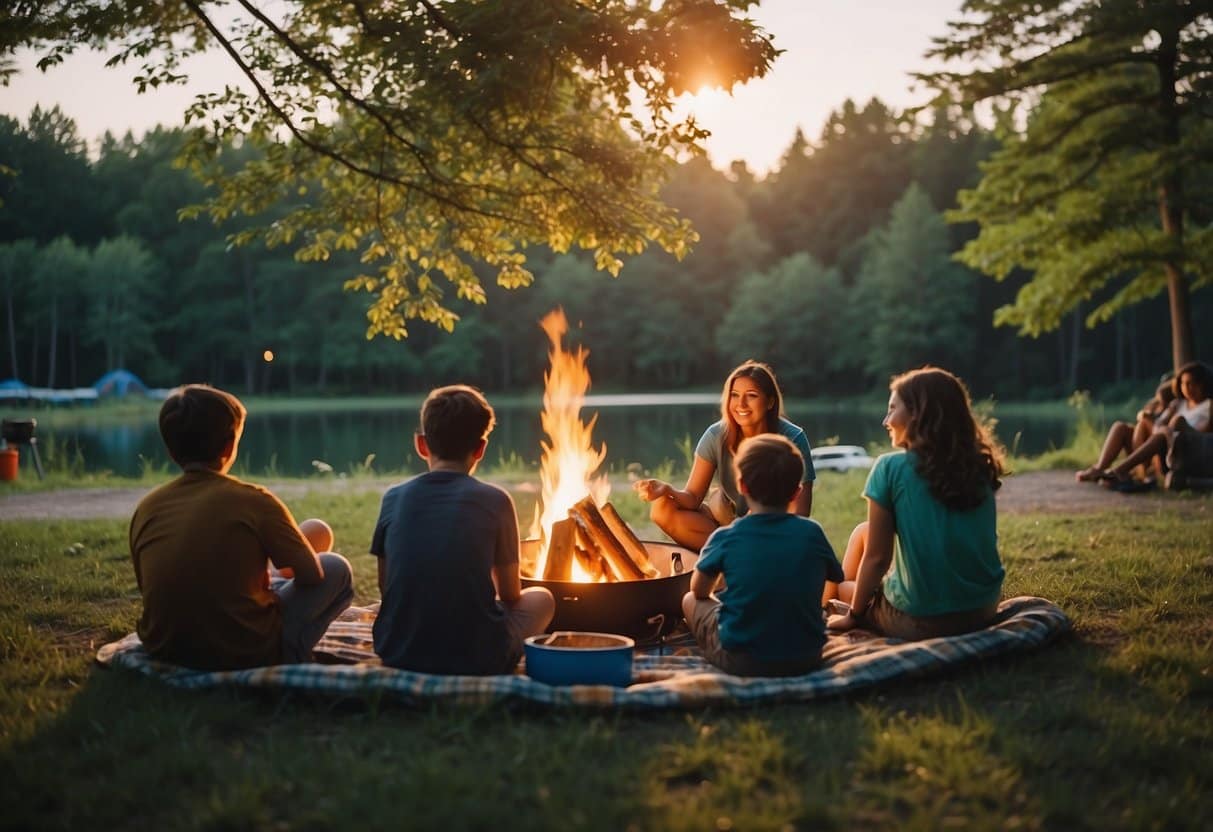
(917, 302)
(1104, 189)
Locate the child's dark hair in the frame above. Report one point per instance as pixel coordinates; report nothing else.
(771, 468)
(454, 419)
(197, 421)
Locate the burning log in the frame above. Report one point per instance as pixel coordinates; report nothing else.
(590, 561)
(559, 566)
(589, 519)
(629, 541)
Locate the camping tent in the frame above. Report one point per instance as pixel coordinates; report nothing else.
(120, 383)
(12, 389)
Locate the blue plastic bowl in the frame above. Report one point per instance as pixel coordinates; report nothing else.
(579, 658)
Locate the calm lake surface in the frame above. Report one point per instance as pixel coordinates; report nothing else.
(644, 429)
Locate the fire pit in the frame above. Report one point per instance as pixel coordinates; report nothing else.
(643, 609)
(604, 578)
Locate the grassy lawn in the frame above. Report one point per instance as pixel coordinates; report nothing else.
(1109, 728)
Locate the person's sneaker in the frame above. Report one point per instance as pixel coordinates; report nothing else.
(1132, 486)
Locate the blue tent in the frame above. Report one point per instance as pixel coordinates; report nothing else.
(12, 388)
(120, 383)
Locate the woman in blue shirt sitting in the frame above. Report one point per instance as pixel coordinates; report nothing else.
(937, 498)
(751, 404)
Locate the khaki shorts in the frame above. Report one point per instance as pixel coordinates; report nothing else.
(705, 624)
(886, 619)
(720, 507)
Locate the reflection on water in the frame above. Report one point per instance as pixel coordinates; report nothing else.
(647, 429)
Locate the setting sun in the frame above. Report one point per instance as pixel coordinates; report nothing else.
(707, 103)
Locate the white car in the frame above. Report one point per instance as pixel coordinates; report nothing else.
(840, 458)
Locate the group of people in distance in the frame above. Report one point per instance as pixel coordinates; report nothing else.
(1181, 403)
(229, 580)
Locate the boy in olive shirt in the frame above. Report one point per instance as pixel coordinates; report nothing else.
(775, 564)
(201, 543)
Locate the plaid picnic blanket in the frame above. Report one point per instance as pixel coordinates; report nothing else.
(670, 677)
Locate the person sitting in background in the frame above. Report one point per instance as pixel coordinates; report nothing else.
(1126, 438)
(1193, 383)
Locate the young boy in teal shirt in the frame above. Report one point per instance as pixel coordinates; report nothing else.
(775, 564)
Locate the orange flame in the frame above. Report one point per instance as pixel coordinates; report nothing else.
(569, 460)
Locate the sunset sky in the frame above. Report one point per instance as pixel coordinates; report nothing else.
(834, 50)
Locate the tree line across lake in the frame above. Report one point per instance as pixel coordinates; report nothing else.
(836, 268)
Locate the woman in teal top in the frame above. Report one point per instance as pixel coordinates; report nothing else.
(937, 498)
(751, 404)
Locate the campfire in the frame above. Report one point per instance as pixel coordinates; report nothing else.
(581, 536)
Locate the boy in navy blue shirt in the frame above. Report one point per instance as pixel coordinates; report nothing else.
(447, 546)
(775, 564)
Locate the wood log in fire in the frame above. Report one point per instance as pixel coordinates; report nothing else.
(590, 561)
(589, 520)
(559, 566)
(628, 540)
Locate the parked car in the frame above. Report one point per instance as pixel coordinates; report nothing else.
(840, 458)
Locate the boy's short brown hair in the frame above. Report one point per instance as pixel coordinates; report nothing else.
(771, 468)
(454, 420)
(197, 421)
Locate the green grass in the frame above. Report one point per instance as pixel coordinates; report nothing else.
(1109, 728)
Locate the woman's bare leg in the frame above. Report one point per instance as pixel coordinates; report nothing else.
(1156, 445)
(1120, 438)
(687, 527)
(851, 559)
(1141, 432)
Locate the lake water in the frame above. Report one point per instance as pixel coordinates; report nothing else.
(636, 429)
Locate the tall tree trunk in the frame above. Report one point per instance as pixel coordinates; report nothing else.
(250, 374)
(1134, 344)
(1120, 347)
(1062, 364)
(54, 343)
(250, 319)
(1075, 344)
(12, 334)
(33, 369)
(507, 369)
(1170, 204)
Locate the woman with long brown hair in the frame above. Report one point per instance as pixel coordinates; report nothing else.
(936, 497)
(750, 404)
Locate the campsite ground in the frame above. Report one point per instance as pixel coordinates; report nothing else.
(1107, 728)
(1052, 492)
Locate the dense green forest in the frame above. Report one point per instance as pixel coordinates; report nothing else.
(836, 267)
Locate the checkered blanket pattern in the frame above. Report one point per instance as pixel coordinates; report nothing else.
(852, 661)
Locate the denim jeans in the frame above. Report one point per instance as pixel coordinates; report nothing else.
(308, 609)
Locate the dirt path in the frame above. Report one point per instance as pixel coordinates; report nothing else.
(1034, 491)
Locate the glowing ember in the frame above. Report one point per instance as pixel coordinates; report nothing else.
(569, 459)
